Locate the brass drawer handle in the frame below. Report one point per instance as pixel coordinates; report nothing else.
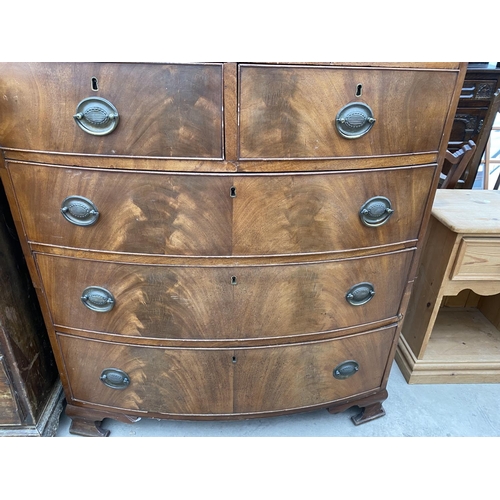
(354, 120)
(98, 299)
(79, 211)
(360, 294)
(376, 211)
(96, 116)
(346, 369)
(115, 378)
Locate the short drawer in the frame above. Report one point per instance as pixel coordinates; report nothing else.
(221, 215)
(223, 303)
(224, 382)
(295, 112)
(163, 110)
(477, 259)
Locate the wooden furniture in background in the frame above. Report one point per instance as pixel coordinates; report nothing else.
(214, 241)
(30, 391)
(458, 342)
(457, 162)
(478, 105)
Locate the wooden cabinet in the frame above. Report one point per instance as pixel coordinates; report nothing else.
(476, 111)
(31, 395)
(452, 330)
(223, 240)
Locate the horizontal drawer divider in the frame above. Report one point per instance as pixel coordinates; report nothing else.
(263, 342)
(217, 260)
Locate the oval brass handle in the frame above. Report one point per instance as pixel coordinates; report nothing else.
(354, 120)
(376, 211)
(79, 211)
(115, 378)
(98, 299)
(96, 116)
(360, 294)
(346, 369)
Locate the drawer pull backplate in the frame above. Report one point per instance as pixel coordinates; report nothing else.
(360, 294)
(354, 120)
(79, 211)
(115, 378)
(346, 369)
(98, 299)
(376, 211)
(96, 116)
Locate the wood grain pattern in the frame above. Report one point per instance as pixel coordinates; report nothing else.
(287, 377)
(195, 215)
(230, 112)
(455, 344)
(29, 371)
(427, 292)
(139, 213)
(320, 212)
(229, 230)
(162, 380)
(468, 211)
(173, 302)
(9, 408)
(224, 381)
(477, 259)
(291, 112)
(187, 165)
(166, 110)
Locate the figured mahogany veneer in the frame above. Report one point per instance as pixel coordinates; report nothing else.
(165, 110)
(173, 302)
(245, 258)
(288, 112)
(180, 382)
(194, 215)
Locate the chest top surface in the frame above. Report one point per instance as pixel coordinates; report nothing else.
(468, 211)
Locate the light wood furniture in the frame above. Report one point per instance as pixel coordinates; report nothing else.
(214, 241)
(456, 340)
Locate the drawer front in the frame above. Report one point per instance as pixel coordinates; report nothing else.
(176, 302)
(478, 90)
(223, 381)
(477, 259)
(291, 112)
(138, 212)
(9, 413)
(290, 214)
(178, 381)
(287, 377)
(165, 110)
(193, 215)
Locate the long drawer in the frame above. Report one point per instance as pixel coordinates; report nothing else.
(220, 215)
(224, 381)
(163, 110)
(311, 112)
(243, 302)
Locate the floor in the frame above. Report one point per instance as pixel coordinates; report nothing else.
(430, 410)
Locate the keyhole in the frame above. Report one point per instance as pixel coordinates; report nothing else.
(232, 192)
(234, 281)
(95, 84)
(234, 359)
(359, 89)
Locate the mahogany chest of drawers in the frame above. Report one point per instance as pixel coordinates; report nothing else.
(214, 241)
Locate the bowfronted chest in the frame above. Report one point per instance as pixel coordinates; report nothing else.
(223, 240)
